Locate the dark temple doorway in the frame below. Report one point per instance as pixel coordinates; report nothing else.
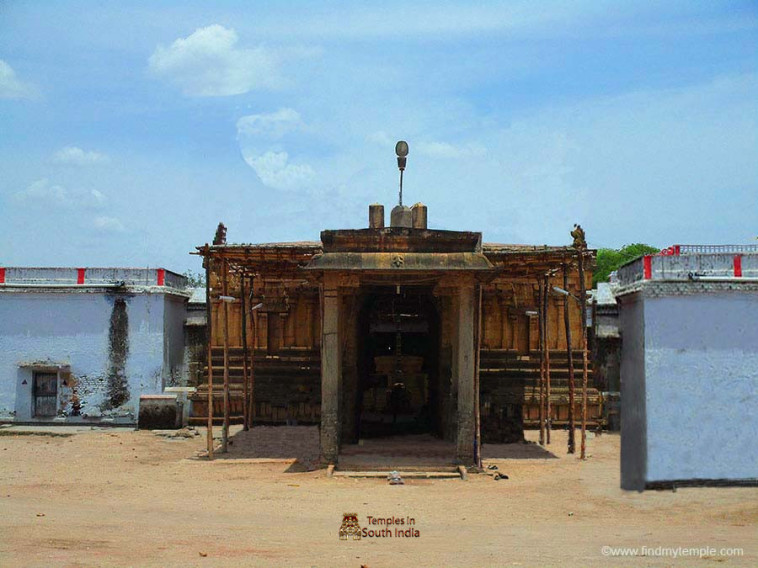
(398, 362)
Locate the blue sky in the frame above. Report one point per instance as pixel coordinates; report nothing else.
(128, 131)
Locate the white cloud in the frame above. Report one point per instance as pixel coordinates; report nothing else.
(262, 140)
(208, 64)
(44, 193)
(11, 87)
(445, 150)
(75, 156)
(272, 125)
(274, 170)
(381, 138)
(108, 224)
(97, 197)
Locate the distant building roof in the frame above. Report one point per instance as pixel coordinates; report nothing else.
(198, 295)
(604, 294)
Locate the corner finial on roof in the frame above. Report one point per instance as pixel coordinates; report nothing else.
(579, 239)
(220, 238)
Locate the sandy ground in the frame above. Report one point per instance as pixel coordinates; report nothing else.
(125, 498)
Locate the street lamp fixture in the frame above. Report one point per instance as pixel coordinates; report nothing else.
(563, 292)
(401, 150)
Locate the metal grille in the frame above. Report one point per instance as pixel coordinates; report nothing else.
(676, 250)
(45, 394)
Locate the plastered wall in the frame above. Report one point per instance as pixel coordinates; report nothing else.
(118, 345)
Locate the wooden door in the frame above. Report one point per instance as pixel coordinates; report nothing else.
(45, 394)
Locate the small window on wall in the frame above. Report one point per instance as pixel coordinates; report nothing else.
(45, 394)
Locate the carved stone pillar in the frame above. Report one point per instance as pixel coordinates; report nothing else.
(331, 370)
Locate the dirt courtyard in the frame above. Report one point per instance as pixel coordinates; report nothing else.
(109, 497)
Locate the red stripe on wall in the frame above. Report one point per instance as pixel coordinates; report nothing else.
(80, 275)
(2, 275)
(161, 277)
(647, 264)
(738, 265)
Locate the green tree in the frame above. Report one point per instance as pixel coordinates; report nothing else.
(609, 259)
(194, 279)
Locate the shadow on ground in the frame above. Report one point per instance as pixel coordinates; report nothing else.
(299, 443)
(300, 446)
(517, 451)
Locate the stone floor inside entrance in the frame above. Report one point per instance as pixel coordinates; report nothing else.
(411, 451)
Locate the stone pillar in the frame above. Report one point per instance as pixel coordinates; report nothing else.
(331, 371)
(465, 368)
(349, 345)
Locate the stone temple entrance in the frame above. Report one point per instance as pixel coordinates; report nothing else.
(398, 336)
(398, 363)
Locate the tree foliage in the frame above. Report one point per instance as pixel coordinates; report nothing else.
(194, 279)
(609, 259)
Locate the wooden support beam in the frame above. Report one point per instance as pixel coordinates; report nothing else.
(209, 332)
(567, 322)
(477, 386)
(251, 402)
(583, 300)
(546, 343)
(541, 383)
(243, 320)
(225, 292)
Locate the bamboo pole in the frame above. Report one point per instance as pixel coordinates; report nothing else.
(541, 382)
(243, 319)
(583, 300)
(477, 408)
(546, 343)
(566, 319)
(209, 336)
(225, 428)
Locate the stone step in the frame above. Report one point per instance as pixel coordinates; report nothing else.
(405, 474)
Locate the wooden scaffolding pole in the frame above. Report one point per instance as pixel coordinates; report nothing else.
(583, 300)
(541, 383)
(567, 321)
(253, 318)
(225, 292)
(546, 343)
(477, 408)
(209, 334)
(243, 319)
